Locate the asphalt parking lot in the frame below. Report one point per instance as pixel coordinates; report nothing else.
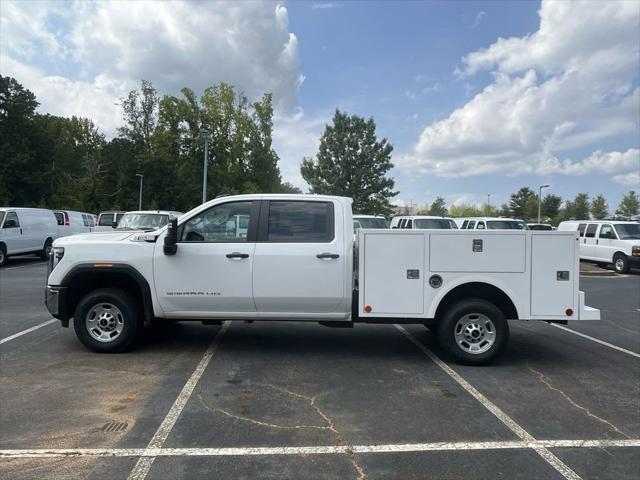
(290, 400)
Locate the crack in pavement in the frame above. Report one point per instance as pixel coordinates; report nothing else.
(330, 426)
(546, 381)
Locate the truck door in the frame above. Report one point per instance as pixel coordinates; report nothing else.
(606, 243)
(588, 247)
(210, 274)
(299, 264)
(12, 234)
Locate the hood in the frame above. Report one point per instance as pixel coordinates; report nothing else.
(94, 237)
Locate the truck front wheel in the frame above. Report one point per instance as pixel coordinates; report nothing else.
(473, 331)
(620, 263)
(106, 320)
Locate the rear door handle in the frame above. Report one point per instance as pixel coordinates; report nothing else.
(237, 255)
(327, 255)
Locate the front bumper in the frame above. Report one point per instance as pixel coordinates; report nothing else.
(634, 260)
(56, 302)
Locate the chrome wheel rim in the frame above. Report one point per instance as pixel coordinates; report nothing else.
(475, 333)
(619, 264)
(104, 322)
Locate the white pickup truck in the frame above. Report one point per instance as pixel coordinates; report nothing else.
(292, 257)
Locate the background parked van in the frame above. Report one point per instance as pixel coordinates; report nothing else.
(70, 222)
(491, 223)
(606, 242)
(105, 219)
(425, 222)
(26, 230)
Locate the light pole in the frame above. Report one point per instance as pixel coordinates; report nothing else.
(206, 135)
(140, 198)
(540, 199)
(488, 200)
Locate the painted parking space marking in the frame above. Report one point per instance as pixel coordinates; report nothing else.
(511, 424)
(597, 340)
(28, 330)
(314, 450)
(143, 465)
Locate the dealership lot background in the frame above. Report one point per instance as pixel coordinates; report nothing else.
(288, 400)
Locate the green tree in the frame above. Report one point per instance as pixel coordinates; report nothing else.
(599, 208)
(438, 207)
(581, 206)
(464, 210)
(531, 209)
(351, 161)
(551, 206)
(518, 203)
(629, 205)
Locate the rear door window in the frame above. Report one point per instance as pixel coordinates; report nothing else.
(591, 230)
(472, 224)
(85, 220)
(59, 217)
(480, 226)
(11, 221)
(464, 225)
(105, 220)
(300, 222)
(581, 228)
(409, 224)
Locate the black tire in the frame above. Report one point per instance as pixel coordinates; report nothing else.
(620, 263)
(465, 311)
(3, 255)
(44, 254)
(117, 309)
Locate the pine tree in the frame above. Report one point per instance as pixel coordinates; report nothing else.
(599, 208)
(629, 205)
(438, 207)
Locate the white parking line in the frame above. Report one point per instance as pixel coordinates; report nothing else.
(143, 465)
(597, 340)
(28, 330)
(549, 457)
(314, 450)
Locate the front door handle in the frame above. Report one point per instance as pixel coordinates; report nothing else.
(327, 255)
(237, 255)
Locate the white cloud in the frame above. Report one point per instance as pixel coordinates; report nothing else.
(631, 179)
(568, 85)
(296, 136)
(112, 45)
(478, 20)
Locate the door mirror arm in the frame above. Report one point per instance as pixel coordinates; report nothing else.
(171, 239)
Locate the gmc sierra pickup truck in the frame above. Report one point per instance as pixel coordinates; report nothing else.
(293, 257)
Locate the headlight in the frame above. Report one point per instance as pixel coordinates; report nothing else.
(635, 251)
(56, 255)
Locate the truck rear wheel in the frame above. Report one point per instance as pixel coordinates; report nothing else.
(473, 331)
(46, 249)
(3, 255)
(106, 320)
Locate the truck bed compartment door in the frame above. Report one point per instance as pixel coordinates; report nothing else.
(553, 272)
(393, 273)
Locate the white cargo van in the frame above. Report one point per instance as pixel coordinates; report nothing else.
(369, 221)
(70, 222)
(26, 230)
(425, 222)
(606, 242)
(490, 223)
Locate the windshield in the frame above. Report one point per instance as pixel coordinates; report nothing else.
(628, 231)
(506, 225)
(435, 223)
(371, 222)
(143, 221)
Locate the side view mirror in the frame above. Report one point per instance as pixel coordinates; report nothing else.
(114, 224)
(171, 240)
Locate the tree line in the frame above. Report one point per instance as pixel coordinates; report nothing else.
(57, 162)
(523, 205)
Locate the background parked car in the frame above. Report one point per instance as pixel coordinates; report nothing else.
(70, 222)
(145, 219)
(106, 219)
(540, 226)
(424, 222)
(25, 231)
(491, 223)
(606, 242)
(369, 221)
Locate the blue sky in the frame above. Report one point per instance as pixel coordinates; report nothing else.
(477, 97)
